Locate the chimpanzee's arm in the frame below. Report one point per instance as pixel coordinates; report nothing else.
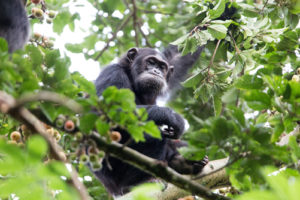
(180, 63)
(165, 116)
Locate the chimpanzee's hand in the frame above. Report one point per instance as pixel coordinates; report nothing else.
(171, 122)
(184, 166)
(198, 165)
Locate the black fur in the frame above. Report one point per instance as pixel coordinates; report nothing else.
(14, 25)
(160, 71)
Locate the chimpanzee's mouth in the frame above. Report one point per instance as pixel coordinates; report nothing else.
(154, 74)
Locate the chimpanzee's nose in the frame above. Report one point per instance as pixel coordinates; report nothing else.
(156, 71)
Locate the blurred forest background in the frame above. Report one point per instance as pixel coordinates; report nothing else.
(241, 100)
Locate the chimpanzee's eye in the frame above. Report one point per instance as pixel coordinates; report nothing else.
(164, 67)
(151, 61)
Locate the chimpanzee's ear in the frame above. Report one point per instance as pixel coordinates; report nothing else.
(170, 72)
(131, 54)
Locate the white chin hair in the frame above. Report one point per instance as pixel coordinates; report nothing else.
(152, 79)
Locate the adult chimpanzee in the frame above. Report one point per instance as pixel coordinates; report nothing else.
(148, 73)
(14, 25)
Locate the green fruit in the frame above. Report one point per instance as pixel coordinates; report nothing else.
(93, 158)
(49, 21)
(51, 14)
(96, 166)
(38, 13)
(84, 158)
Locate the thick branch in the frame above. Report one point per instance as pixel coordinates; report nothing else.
(52, 97)
(209, 179)
(154, 167)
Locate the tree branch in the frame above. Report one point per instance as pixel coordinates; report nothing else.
(122, 25)
(49, 96)
(211, 180)
(154, 167)
(10, 106)
(135, 24)
(154, 12)
(144, 35)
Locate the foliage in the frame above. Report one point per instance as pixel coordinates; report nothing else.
(240, 99)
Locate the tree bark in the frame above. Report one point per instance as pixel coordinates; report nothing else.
(213, 176)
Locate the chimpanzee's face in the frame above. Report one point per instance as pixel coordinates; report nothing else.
(150, 71)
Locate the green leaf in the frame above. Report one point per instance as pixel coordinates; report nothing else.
(226, 23)
(51, 57)
(193, 80)
(145, 191)
(49, 111)
(35, 55)
(87, 122)
(203, 37)
(61, 70)
(238, 114)
(127, 98)
(217, 10)
(152, 129)
(136, 132)
(249, 82)
(204, 92)
(61, 20)
(217, 105)
(257, 100)
(85, 85)
(37, 147)
(230, 96)
(180, 40)
(218, 31)
(74, 48)
(221, 129)
(189, 46)
(102, 127)
(3, 45)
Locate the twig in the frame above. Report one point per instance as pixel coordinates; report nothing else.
(122, 25)
(44, 7)
(154, 167)
(154, 12)
(144, 35)
(135, 24)
(9, 105)
(262, 10)
(213, 56)
(235, 46)
(126, 4)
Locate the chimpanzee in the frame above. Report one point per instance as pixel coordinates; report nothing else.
(14, 25)
(149, 74)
